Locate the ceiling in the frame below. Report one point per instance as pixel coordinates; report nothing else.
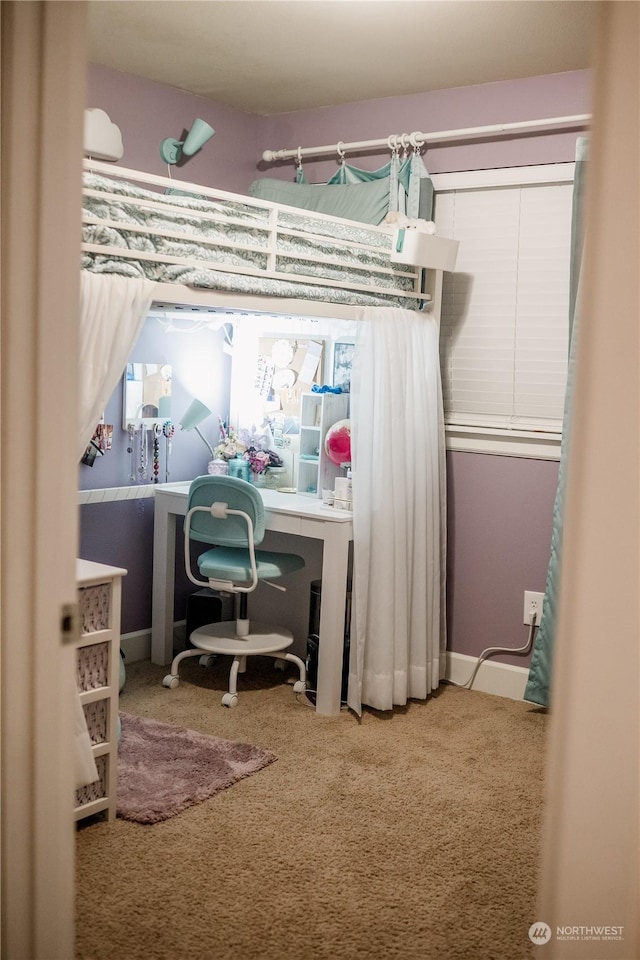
(275, 56)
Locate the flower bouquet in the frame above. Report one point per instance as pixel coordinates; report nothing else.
(261, 460)
(230, 445)
(228, 449)
(258, 451)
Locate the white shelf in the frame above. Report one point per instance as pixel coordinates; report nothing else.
(318, 412)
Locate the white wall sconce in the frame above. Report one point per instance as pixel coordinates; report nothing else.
(172, 151)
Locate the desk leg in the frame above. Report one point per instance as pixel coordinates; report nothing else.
(164, 551)
(335, 559)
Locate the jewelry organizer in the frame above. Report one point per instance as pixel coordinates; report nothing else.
(98, 677)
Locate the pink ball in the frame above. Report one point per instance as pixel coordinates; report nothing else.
(337, 443)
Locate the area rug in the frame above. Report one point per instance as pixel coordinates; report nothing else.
(163, 769)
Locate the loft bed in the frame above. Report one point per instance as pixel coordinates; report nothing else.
(204, 247)
(212, 247)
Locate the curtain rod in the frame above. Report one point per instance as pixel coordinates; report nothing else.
(417, 139)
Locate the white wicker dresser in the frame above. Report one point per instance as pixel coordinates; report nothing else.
(98, 673)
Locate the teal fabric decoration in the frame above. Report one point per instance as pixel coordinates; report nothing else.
(538, 685)
(410, 186)
(364, 202)
(420, 191)
(363, 195)
(538, 688)
(577, 228)
(325, 388)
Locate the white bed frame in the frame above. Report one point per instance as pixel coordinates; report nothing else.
(426, 282)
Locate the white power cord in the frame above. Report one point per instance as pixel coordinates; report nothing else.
(489, 650)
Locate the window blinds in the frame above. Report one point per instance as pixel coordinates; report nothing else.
(504, 325)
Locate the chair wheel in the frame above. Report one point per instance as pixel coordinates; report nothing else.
(299, 686)
(207, 660)
(278, 664)
(230, 700)
(170, 682)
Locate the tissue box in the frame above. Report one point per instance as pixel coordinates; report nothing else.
(423, 249)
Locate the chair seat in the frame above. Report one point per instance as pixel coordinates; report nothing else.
(231, 563)
(221, 638)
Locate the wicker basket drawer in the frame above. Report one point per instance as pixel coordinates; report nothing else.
(92, 666)
(96, 715)
(96, 790)
(95, 607)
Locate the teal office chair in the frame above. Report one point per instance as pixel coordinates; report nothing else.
(228, 514)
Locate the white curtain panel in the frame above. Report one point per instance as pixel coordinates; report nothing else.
(398, 636)
(112, 312)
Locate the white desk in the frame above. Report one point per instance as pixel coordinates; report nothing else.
(284, 513)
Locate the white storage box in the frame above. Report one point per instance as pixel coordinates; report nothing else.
(423, 249)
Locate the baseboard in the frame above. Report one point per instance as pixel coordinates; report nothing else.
(501, 679)
(137, 645)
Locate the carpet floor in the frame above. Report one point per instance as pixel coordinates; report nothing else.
(413, 834)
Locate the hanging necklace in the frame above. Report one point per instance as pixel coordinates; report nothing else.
(131, 432)
(168, 430)
(157, 431)
(142, 465)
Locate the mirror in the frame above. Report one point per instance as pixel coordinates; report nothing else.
(147, 394)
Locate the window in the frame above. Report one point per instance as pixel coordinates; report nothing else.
(504, 321)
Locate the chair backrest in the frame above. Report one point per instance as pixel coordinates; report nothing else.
(238, 495)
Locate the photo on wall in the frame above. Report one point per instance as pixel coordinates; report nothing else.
(343, 352)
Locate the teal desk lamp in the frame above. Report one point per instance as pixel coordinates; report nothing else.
(172, 150)
(195, 415)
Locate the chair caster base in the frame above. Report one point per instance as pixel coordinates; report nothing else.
(207, 660)
(299, 686)
(170, 682)
(230, 700)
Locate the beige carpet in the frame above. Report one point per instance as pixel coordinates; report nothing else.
(410, 835)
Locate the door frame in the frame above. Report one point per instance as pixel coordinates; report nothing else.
(43, 89)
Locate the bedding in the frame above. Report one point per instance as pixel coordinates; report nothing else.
(245, 247)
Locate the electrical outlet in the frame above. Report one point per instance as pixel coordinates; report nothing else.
(533, 604)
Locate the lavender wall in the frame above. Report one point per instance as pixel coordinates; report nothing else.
(148, 112)
(500, 508)
(500, 512)
(533, 98)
